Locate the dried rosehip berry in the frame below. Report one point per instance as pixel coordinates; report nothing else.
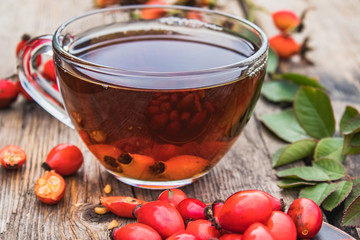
(135, 231)
(50, 188)
(162, 216)
(64, 158)
(191, 208)
(24, 39)
(307, 217)
(285, 20)
(284, 46)
(9, 92)
(281, 226)
(244, 208)
(257, 231)
(203, 229)
(173, 196)
(121, 205)
(12, 157)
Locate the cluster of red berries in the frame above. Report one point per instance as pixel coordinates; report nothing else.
(287, 22)
(10, 87)
(245, 215)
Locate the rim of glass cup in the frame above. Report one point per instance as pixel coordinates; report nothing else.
(103, 69)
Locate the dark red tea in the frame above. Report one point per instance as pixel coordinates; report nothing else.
(161, 130)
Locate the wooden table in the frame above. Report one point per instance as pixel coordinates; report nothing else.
(333, 26)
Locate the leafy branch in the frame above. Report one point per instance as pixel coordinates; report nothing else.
(308, 126)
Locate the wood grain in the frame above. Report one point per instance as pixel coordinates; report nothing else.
(246, 166)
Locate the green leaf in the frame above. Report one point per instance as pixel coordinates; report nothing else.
(352, 214)
(291, 183)
(294, 152)
(343, 189)
(349, 113)
(284, 125)
(330, 148)
(353, 125)
(305, 173)
(351, 144)
(273, 61)
(318, 193)
(352, 196)
(314, 112)
(332, 168)
(302, 80)
(279, 91)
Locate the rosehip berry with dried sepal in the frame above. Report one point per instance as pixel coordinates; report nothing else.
(161, 216)
(203, 229)
(12, 157)
(191, 208)
(173, 196)
(285, 20)
(281, 226)
(135, 231)
(9, 92)
(244, 208)
(121, 205)
(24, 39)
(64, 158)
(284, 46)
(307, 217)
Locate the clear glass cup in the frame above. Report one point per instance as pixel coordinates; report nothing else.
(158, 94)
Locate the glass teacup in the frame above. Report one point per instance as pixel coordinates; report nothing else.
(158, 94)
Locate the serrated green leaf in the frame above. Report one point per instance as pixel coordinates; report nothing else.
(348, 147)
(332, 168)
(279, 91)
(273, 61)
(349, 113)
(284, 125)
(353, 195)
(330, 148)
(305, 173)
(302, 80)
(343, 189)
(314, 112)
(355, 141)
(356, 181)
(294, 152)
(352, 214)
(318, 193)
(353, 125)
(291, 183)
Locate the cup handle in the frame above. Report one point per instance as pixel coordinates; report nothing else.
(33, 81)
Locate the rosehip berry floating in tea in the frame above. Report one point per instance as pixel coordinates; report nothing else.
(257, 231)
(203, 229)
(281, 226)
(8, 92)
(108, 155)
(307, 217)
(64, 158)
(244, 208)
(162, 216)
(285, 20)
(50, 188)
(173, 196)
(136, 165)
(135, 231)
(121, 205)
(12, 157)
